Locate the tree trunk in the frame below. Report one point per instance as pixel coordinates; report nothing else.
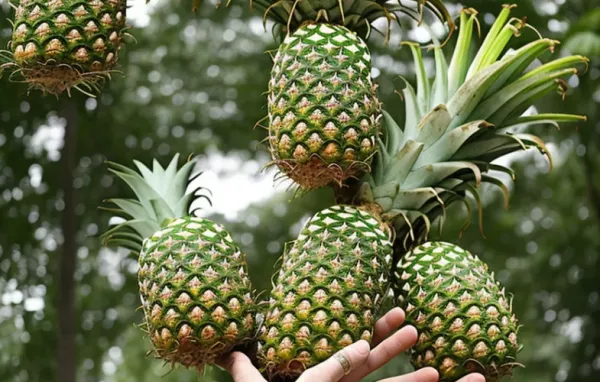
(66, 365)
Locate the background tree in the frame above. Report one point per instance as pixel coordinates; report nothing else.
(193, 84)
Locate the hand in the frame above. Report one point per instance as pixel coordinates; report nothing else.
(363, 360)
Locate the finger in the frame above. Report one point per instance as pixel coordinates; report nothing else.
(387, 324)
(427, 374)
(241, 368)
(384, 352)
(332, 370)
(472, 378)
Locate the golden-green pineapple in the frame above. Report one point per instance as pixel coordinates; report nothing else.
(196, 295)
(58, 45)
(328, 291)
(323, 108)
(464, 319)
(324, 113)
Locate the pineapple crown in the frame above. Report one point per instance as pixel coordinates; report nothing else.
(458, 124)
(357, 15)
(162, 195)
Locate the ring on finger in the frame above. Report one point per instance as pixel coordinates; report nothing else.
(344, 362)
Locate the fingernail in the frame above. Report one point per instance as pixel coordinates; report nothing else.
(413, 329)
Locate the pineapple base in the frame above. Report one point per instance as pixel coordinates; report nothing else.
(55, 79)
(191, 352)
(316, 173)
(286, 372)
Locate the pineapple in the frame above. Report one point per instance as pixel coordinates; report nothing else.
(463, 317)
(58, 45)
(454, 128)
(193, 279)
(323, 110)
(328, 291)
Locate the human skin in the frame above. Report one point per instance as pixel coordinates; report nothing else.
(387, 343)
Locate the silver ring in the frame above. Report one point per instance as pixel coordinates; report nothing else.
(344, 362)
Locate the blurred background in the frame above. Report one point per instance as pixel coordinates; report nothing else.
(192, 83)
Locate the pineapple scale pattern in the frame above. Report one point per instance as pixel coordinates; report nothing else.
(463, 318)
(195, 288)
(328, 290)
(86, 35)
(322, 103)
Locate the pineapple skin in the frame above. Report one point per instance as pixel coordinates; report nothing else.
(323, 109)
(328, 291)
(60, 42)
(464, 320)
(195, 292)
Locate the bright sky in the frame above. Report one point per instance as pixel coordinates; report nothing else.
(137, 13)
(235, 184)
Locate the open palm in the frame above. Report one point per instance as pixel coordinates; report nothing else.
(388, 342)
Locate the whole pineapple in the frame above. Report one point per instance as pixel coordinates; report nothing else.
(464, 319)
(196, 295)
(454, 128)
(58, 45)
(324, 113)
(328, 291)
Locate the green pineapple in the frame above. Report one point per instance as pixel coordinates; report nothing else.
(454, 128)
(323, 108)
(324, 113)
(328, 291)
(196, 295)
(464, 319)
(58, 45)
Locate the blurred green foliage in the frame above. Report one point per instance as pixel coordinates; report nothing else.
(194, 83)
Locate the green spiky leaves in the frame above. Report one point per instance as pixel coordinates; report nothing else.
(458, 124)
(161, 195)
(358, 16)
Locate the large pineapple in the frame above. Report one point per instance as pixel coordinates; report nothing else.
(328, 291)
(464, 319)
(324, 113)
(196, 295)
(58, 45)
(454, 129)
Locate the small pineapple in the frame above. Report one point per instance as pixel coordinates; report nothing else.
(323, 108)
(58, 45)
(328, 291)
(196, 295)
(464, 320)
(324, 113)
